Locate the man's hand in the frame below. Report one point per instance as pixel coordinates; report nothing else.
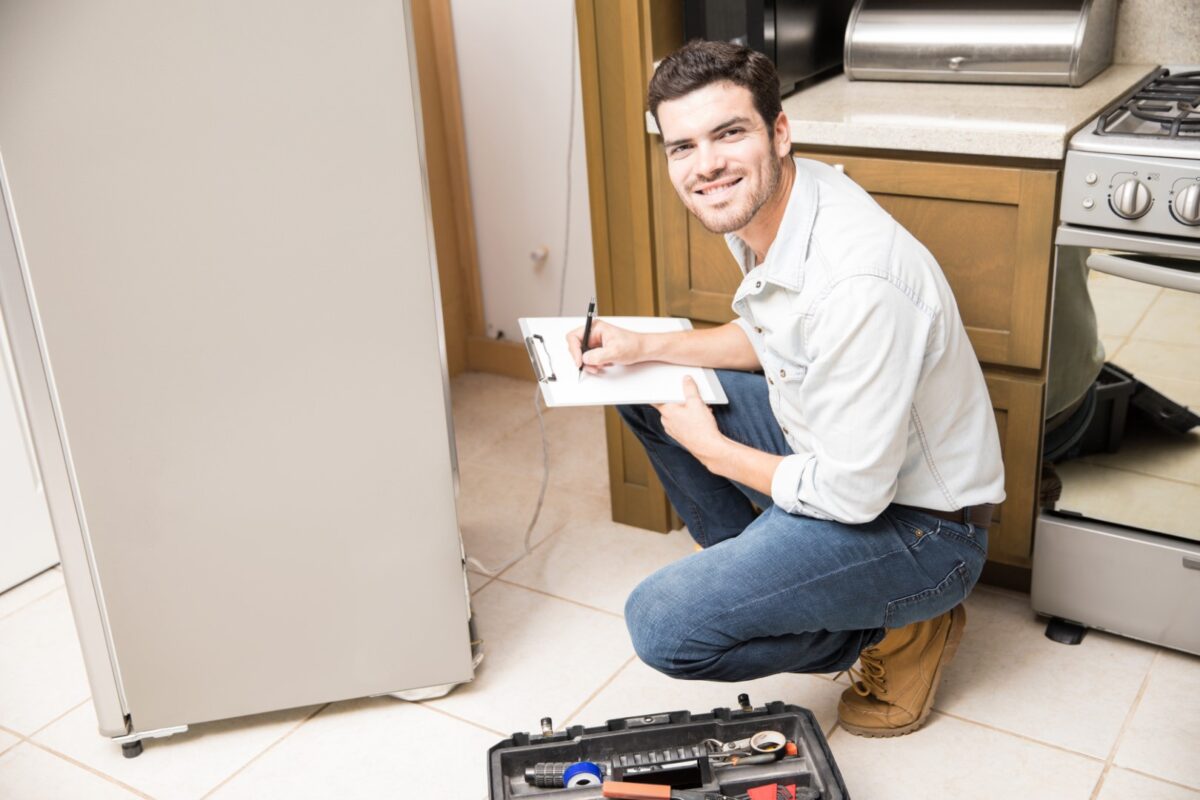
(609, 345)
(692, 424)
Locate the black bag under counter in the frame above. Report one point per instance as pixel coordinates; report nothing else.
(673, 738)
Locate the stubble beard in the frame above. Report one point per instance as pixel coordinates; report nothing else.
(727, 220)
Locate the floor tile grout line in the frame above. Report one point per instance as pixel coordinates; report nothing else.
(444, 713)
(1160, 778)
(89, 768)
(26, 582)
(17, 734)
(1145, 313)
(69, 711)
(1018, 735)
(264, 751)
(832, 729)
(571, 717)
(33, 601)
(557, 597)
(1129, 715)
(17, 740)
(533, 547)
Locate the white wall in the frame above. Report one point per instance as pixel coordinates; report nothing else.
(514, 61)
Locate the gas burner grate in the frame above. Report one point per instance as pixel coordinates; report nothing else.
(1170, 104)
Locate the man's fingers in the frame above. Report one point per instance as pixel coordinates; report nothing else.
(594, 357)
(573, 345)
(690, 390)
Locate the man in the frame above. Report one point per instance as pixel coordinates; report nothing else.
(867, 440)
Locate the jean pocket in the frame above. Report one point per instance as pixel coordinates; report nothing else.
(971, 535)
(930, 602)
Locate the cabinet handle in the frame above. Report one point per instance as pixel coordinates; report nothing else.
(1191, 563)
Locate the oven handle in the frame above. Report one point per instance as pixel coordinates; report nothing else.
(1181, 277)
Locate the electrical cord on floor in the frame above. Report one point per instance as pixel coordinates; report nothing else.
(562, 289)
(537, 511)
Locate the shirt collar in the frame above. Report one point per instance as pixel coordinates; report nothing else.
(786, 255)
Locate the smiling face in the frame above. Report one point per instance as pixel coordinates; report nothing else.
(721, 156)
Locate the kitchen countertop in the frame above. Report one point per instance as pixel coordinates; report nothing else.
(970, 118)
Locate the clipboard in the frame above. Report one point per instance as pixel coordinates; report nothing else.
(637, 384)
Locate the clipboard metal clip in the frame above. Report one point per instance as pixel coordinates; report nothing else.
(540, 357)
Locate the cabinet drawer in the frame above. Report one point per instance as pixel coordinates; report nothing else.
(990, 228)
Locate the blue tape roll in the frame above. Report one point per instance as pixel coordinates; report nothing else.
(582, 773)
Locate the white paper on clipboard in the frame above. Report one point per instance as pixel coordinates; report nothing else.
(652, 382)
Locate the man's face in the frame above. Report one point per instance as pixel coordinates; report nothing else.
(720, 156)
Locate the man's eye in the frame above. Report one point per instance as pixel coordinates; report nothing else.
(731, 132)
(680, 150)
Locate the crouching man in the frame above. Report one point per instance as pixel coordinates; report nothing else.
(858, 422)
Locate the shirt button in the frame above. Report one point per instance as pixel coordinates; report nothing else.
(770, 381)
(783, 373)
(757, 329)
(758, 284)
(785, 431)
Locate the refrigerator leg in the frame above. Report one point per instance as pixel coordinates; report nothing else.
(131, 744)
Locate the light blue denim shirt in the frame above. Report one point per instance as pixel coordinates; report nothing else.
(870, 371)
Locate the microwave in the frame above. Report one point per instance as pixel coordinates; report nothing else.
(804, 38)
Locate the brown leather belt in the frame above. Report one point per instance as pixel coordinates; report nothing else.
(980, 516)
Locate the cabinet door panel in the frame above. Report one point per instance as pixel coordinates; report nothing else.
(1018, 406)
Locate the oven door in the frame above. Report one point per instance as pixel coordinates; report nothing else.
(1118, 547)
(1124, 370)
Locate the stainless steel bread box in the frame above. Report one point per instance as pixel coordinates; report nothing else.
(1052, 42)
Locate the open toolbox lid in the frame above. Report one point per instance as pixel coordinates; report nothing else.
(675, 747)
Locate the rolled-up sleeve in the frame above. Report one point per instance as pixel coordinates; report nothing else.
(867, 343)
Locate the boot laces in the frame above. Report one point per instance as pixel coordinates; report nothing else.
(872, 678)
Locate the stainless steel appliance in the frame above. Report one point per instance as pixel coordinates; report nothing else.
(225, 322)
(1055, 42)
(1119, 549)
(802, 37)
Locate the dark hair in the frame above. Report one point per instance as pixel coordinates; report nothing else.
(699, 63)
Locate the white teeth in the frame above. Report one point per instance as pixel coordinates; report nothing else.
(718, 189)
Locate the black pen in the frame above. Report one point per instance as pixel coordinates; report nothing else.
(587, 332)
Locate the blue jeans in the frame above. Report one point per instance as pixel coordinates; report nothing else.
(777, 592)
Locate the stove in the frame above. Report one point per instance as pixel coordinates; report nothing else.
(1137, 167)
(1118, 547)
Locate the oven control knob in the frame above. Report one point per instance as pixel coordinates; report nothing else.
(1131, 199)
(1186, 205)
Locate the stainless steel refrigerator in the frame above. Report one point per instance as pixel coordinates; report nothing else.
(218, 278)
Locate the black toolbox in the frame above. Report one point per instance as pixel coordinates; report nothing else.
(676, 748)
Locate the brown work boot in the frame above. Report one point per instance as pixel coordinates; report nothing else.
(893, 693)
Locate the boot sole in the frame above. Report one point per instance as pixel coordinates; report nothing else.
(958, 623)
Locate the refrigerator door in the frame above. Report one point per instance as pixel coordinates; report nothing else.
(230, 270)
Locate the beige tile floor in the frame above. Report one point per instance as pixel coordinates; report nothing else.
(1017, 717)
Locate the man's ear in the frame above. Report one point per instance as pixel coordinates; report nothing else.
(783, 135)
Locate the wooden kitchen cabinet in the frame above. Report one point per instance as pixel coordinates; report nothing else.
(990, 228)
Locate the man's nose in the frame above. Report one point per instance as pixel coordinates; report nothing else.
(710, 162)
